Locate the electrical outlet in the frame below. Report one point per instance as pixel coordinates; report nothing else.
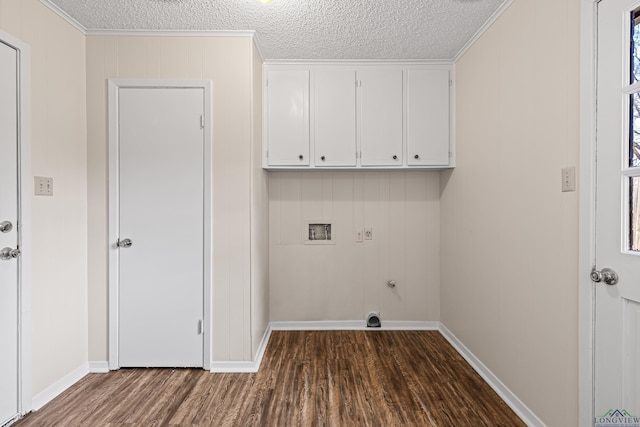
(368, 233)
(43, 186)
(359, 236)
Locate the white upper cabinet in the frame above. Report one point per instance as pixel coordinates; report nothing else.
(358, 116)
(428, 124)
(381, 117)
(287, 117)
(333, 118)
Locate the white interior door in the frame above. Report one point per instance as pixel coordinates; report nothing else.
(161, 211)
(617, 306)
(8, 233)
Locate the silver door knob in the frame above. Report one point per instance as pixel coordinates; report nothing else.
(125, 243)
(605, 275)
(6, 226)
(8, 253)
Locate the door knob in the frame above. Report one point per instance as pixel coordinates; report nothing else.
(605, 275)
(6, 226)
(8, 253)
(125, 243)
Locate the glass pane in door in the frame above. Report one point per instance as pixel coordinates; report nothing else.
(634, 130)
(634, 213)
(635, 47)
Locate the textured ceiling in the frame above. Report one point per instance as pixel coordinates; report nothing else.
(306, 29)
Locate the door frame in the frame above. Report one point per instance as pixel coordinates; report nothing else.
(587, 209)
(25, 398)
(113, 89)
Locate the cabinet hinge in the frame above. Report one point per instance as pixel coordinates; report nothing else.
(199, 327)
(201, 121)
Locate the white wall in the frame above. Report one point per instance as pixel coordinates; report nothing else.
(227, 61)
(509, 235)
(59, 223)
(259, 215)
(347, 280)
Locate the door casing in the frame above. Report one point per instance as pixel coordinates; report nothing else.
(25, 399)
(587, 183)
(113, 87)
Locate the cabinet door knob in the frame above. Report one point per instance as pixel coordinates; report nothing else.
(395, 157)
(416, 157)
(322, 158)
(301, 157)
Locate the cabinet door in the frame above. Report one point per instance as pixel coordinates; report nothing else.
(288, 117)
(334, 117)
(381, 117)
(428, 125)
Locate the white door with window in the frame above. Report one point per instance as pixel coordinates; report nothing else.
(9, 238)
(617, 302)
(160, 232)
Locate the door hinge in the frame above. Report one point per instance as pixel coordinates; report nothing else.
(267, 153)
(450, 83)
(202, 121)
(199, 327)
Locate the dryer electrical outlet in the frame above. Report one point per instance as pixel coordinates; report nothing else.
(368, 233)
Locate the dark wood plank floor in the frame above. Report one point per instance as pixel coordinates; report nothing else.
(317, 378)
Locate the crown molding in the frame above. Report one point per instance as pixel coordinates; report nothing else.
(170, 33)
(358, 62)
(493, 18)
(64, 15)
(258, 45)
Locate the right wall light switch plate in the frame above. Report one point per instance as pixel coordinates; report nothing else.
(568, 179)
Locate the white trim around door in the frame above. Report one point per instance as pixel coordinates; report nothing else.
(113, 86)
(25, 404)
(588, 55)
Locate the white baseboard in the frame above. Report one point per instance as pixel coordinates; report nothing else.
(99, 367)
(527, 416)
(353, 325)
(55, 389)
(244, 367)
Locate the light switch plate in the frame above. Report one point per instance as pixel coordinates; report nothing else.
(43, 186)
(359, 236)
(568, 179)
